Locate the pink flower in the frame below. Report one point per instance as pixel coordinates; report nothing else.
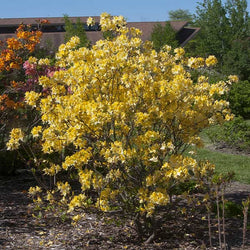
(50, 73)
(30, 69)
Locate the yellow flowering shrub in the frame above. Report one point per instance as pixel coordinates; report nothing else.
(123, 114)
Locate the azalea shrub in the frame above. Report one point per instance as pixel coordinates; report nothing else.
(13, 53)
(119, 116)
(17, 76)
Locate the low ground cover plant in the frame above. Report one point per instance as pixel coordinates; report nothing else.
(234, 134)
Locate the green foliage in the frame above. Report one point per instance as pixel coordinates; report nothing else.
(239, 99)
(212, 74)
(225, 34)
(232, 209)
(180, 15)
(238, 19)
(47, 50)
(234, 133)
(109, 35)
(162, 35)
(237, 59)
(220, 26)
(187, 186)
(75, 29)
(212, 38)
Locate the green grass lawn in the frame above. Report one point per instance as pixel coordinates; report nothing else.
(224, 162)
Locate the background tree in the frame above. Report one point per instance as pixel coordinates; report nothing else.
(75, 29)
(239, 99)
(180, 15)
(162, 35)
(213, 36)
(238, 19)
(225, 34)
(237, 59)
(221, 26)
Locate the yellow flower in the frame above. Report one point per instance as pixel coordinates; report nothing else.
(53, 170)
(76, 218)
(177, 69)
(16, 135)
(229, 117)
(64, 188)
(158, 198)
(90, 21)
(36, 131)
(179, 53)
(44, 61)
(195, 63)
(233, 78)
(76, 201)
(34, 190)
(32, 97)
(32, 60)
(49, 196)
(211, 61)
(170, 145)
(73, 42)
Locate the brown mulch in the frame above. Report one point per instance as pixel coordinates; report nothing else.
(20, 230)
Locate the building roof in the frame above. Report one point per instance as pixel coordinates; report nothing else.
(9, 25)
(147, 27)
(35, 20)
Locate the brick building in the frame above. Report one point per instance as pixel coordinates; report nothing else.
(54, 30)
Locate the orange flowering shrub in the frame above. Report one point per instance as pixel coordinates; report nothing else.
(14, 52)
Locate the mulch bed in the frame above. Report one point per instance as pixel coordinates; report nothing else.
(20, 230)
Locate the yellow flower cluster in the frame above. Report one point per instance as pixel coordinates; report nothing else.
(36, 131)
(117, 23)
(52, 170)
(16, 135)
(76, 201)
(85, 179)
(34, 190)
(211, 60)
(32, 60)
(196, 62)
(32, 97)
(44, 61)
(233, 78)
(90, 21)
(64, 188)
(126, 112)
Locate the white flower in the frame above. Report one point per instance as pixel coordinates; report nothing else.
(154, 159)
